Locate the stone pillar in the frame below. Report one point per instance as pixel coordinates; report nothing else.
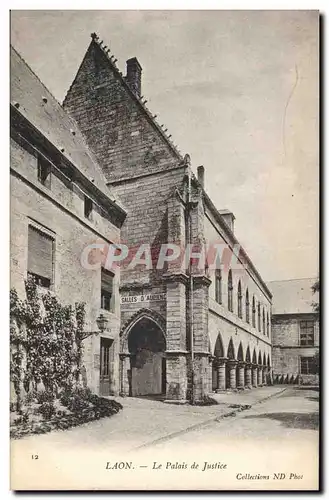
(241, 381)
(248, 380)
(176, 372)
(260, 375)
(221, 373)
(264, 375)
(125, 374)
(201, 386)
(200, 336)
(176, 354)
(254, 376)
(232, 373)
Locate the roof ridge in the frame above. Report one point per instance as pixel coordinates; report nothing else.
(141, 101)
(36, 76)
(72, 123)
(75, 125)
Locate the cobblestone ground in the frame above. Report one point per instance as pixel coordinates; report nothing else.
(145, 420)
(262, 431)
(291, 414)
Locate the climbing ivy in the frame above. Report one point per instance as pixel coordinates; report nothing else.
(46, 341)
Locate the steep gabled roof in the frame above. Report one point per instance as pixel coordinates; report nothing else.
(293, 296)
(35, 103)
(139, 100)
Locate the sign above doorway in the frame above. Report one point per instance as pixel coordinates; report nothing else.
(150, 297)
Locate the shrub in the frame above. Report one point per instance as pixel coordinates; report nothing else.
(30, 397)
(69, 395)
(83, 392)
(77, 404)
(47, 410)
(105, 407)
(44, 397)
(65, 398)
(22, 419)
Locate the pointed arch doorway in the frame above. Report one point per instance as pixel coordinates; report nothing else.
(147, 346)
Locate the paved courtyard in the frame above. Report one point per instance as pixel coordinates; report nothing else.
(291, 414)
(144, 421)
(269, 426)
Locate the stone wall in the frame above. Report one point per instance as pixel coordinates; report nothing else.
(287, 350)
(147, 173)
(124, 138)
(59, 211)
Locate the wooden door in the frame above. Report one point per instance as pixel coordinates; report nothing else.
(104, 388)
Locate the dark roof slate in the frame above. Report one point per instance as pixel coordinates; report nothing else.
(35, 102)
(293, 296)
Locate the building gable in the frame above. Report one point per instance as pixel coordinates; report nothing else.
(118, 127)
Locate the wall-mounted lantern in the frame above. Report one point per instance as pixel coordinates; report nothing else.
(102, 322)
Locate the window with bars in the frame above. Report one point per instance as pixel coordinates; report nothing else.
(306, 329)
(308, 366)
(239, 300)
(44, 171)
(264, 322)
(40, 262)
(253, 312)
(230, 291)
(218, 286)
(107, 291)
(247, 307)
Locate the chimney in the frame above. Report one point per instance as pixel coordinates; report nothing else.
(134, 76)
(228, 217)
(201, 175)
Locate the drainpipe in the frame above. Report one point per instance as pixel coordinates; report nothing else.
(189, 221)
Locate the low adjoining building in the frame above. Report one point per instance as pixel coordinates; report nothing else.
(295, 331)
(60, 204)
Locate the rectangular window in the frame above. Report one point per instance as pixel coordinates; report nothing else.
(44, 172)
(40, 257)
(306, 333)
(308, 366)
(107, 292)
(88, 207)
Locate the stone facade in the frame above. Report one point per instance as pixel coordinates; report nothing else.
(57, 210)
(166, 203)
(293, 349)
(174, 329)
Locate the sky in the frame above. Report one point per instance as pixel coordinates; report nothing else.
(238, 91)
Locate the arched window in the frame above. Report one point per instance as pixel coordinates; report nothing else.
(247, 307)
(253, 312)
(239, 300)
(259, 323)
(230, 291)
(264, 319)
(268, 325)
(218, 286)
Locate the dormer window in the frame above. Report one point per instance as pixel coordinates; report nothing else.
(44, 172)
(88, 207)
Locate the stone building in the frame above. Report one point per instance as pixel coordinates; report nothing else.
(187, 328)
(60, 203)
(295, 331)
